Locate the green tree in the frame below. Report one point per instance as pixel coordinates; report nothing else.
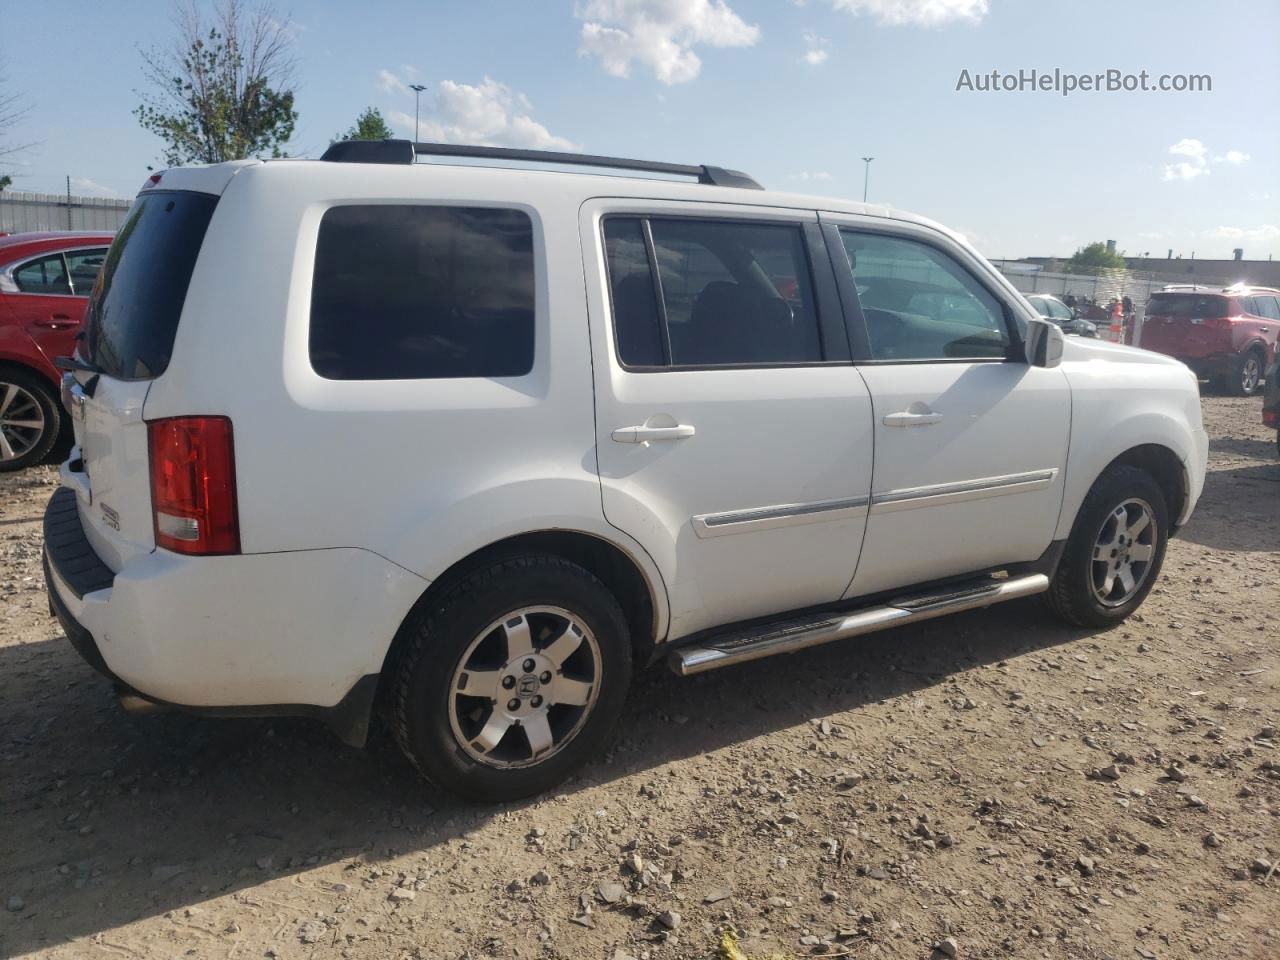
(1095, 258)
(224, 90)
(370, 125)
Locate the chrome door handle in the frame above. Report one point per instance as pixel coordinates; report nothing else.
(643, 434)
(906, 419)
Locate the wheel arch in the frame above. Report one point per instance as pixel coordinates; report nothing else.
(1166, 468)
(641, 596)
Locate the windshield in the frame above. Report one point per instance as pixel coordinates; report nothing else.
(132, 317)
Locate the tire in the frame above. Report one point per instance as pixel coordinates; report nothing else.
(30, 419)
(1246, 374)
(1076, 592)
(527, 606)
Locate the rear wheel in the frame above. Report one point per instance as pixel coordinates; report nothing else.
(512, 680)
(1115, 550)
(1245, 375)
(30, 419)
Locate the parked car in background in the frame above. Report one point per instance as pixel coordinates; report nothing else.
(1271, 400)
(45, 282)
(1226, 335)
(599, 421)
(1051, 308)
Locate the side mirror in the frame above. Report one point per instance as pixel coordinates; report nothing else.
(1043, 343)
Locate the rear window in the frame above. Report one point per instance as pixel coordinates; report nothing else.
(133, 315)
(422, 292)
(1187, 305)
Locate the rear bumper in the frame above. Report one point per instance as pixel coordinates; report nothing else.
(257, 635)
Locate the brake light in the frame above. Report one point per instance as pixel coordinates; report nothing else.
(1221, 322)
(152, 181)
(1271, 418)
(193, 485)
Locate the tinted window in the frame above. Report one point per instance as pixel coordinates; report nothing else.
(736, 293)
(1187, 305)
(417, 292)
(1268, 307)
(46, 275)
(85, 266)
(637, 325)
(133, 314)
(920, 304)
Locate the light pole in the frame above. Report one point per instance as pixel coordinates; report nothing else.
(417, 89)
(866, 176)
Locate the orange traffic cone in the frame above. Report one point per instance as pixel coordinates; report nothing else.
(1115, 332)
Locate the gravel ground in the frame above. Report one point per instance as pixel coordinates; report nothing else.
(992, 784)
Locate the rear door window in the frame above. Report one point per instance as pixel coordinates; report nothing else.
(84, 266)
(409, 292)
(133, 315)
(47, 275)
(732, 293)
(1268, 307)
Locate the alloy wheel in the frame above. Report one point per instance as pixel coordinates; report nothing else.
(524, 687)
(22, 422)
(1122, 552)
(1250, 374)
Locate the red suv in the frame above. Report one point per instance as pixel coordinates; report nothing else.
(45, 281)
(1226, 335)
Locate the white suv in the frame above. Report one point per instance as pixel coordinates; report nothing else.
(471, 443)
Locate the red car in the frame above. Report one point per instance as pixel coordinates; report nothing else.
(1225, 335)
(45, 281)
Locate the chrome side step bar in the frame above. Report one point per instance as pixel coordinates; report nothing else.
(789, 636)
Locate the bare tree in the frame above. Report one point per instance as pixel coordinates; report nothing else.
(223, 90)
(12, 109)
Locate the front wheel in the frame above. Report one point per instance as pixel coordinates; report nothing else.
(30, 419)
(1115, 550)
(512, 680)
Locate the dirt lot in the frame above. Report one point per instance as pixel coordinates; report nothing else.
(873, 798)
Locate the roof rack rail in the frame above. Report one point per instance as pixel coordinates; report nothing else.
(405, 151)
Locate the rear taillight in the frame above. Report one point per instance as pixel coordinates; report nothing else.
(1220, 323)
(193, 485)
(1271, 418)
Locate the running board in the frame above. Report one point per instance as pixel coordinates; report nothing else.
(789, 636)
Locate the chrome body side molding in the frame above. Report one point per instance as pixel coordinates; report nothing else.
(909, 498)
(783, 515)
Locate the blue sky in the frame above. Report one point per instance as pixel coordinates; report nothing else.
(792, 92)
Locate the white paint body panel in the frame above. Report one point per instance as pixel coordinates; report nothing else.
(985, 409)
(354, 496)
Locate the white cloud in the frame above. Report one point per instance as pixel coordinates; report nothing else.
(390, 83)
(84, 187)
(919, 13)
(817, 175)
(1267, 233)
(816, 53)
(1198, 160)
(1233, 157)
(488, 113)
(659, 34)
(1184, 171)
(1196, 164)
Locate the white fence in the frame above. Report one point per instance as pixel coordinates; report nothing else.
(23, 212)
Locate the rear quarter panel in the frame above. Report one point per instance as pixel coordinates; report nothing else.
(421, 472)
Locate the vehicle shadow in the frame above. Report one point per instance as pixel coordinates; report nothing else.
(1239, 510)
(1244, 447)
(110, 817)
